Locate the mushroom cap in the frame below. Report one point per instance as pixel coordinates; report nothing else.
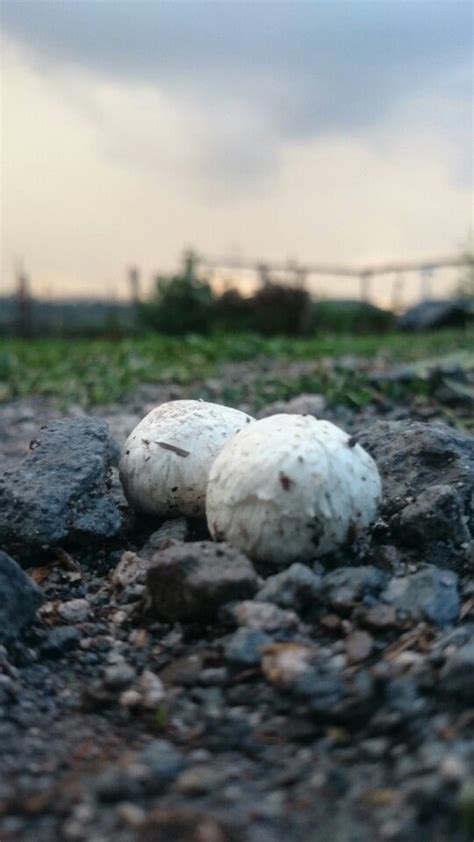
(290, 488)
(166, 459)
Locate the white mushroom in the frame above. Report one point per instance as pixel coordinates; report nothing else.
(290, 488)
(166, 459)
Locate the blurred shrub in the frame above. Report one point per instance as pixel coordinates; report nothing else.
(277, 308)
(233, 311)
(181, 304)
(346, 316)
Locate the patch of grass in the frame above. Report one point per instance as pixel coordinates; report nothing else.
(103, 371)
(161, 719)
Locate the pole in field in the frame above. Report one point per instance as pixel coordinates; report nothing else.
(365, 291)
(134, 284)
(24, 302)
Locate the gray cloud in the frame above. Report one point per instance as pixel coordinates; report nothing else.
(300, 68)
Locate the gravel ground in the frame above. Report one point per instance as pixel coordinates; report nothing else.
(331, 701)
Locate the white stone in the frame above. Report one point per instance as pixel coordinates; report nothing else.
(166, 459)
(290, 488)
(74, 610)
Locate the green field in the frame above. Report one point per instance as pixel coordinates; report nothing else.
(95, 372)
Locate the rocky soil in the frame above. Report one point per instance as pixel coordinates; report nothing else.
(157, 687)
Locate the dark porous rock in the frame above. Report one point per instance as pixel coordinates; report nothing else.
(437, 514)
(244, 648)
(60, 491)
(457, 675)
(430, 594)
(189, 582)
(20, 597)
(293, 588)
(428, 478)
(350, 584)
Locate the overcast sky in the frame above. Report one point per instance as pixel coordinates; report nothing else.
(339, 131)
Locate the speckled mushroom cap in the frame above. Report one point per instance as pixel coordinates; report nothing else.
(166, 459)
(291, 488)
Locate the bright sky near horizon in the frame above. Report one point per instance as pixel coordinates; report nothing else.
(337, 131)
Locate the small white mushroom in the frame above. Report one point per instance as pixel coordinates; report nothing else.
(290, 488)
(166, 459)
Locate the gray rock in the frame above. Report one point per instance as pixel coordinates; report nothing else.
(244, 648)
(412, 457)
(430, 594)
(293, 588)
(163, 761)
(59, 492)
(457, 675)
(437, 514)
(175, 529)
(351, 584)
(60, 640)
(199, 780)
(130, 571)
(262, 616)
(118, 675)
(403, 697)
(20, 597)
(322, 691)
(146, 692)
(189, 582)
(151, 772)
(74, 610)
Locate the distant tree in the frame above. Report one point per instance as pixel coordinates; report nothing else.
(182, 303)
(233, 311)
(277, 308)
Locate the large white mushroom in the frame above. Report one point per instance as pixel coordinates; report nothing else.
(290, 488)
(166, 459)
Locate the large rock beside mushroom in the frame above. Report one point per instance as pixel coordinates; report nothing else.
(189, 582)
(428, 484)
(60, 491)
(19, 598)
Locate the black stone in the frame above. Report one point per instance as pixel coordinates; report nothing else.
(60, 491)
(20, 598)
(427, 474)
